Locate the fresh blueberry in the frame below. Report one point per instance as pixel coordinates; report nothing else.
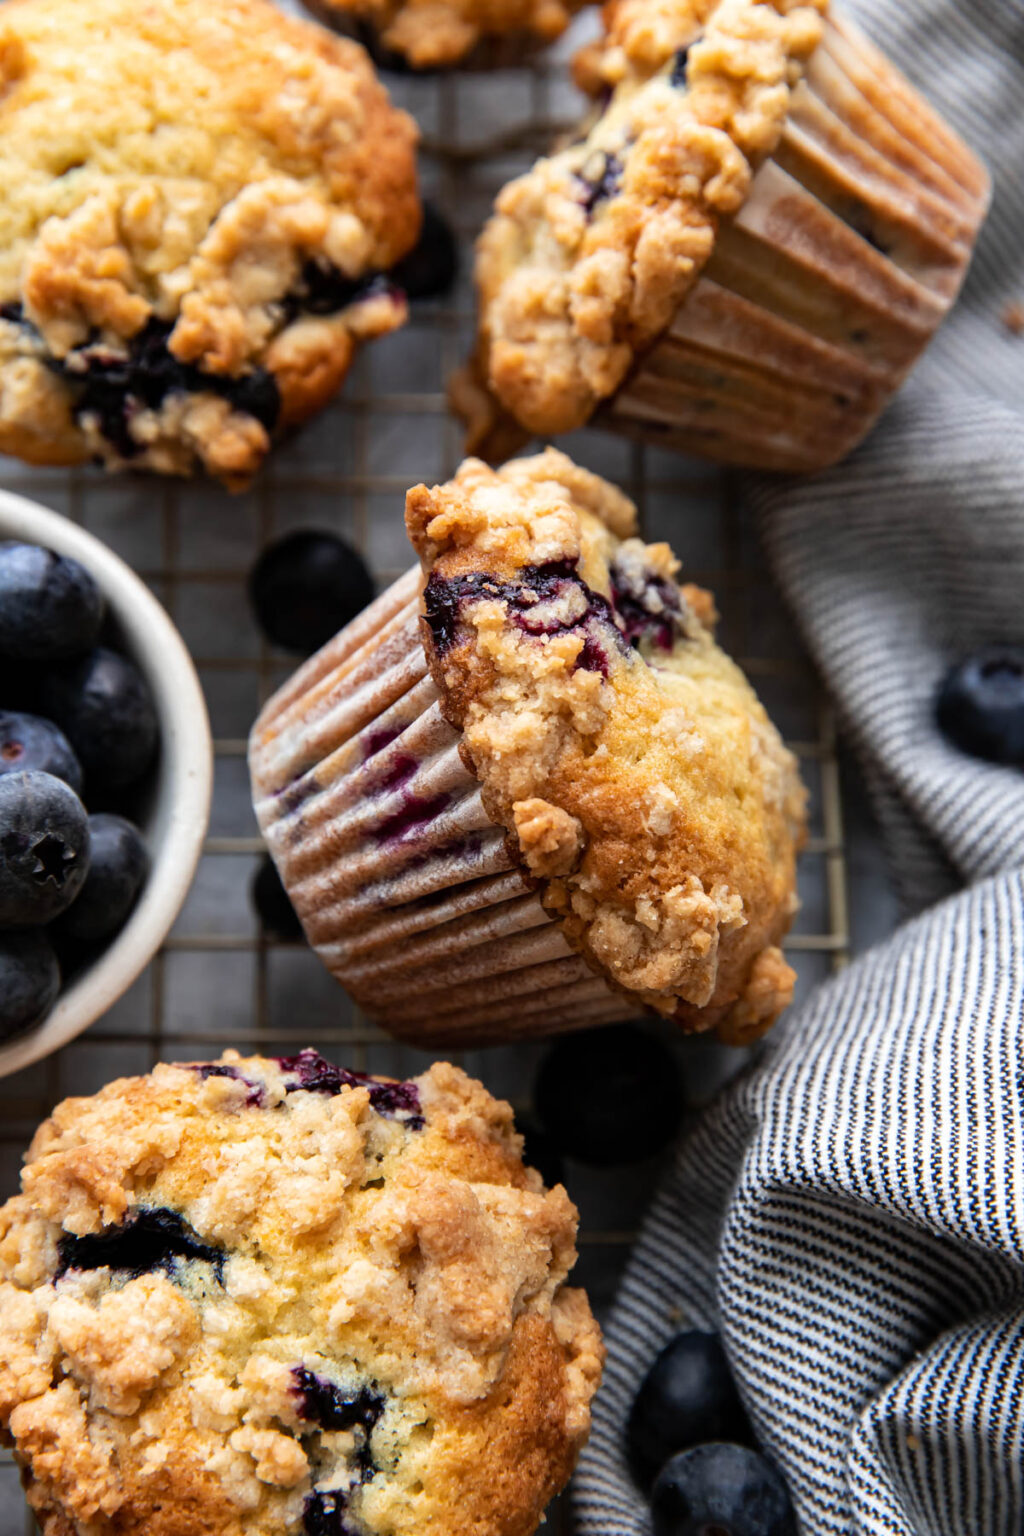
(687, 1397)
(44, 848)
(118, 866)
(306, 587)
(721, 1490)
(29, 980)
(150, 1237)
(609, 1096)
(104, 708)
(50, 606)
(272, 903)
(432, 265)
(981, 705)
(26, 741)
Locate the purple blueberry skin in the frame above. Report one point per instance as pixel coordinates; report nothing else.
(118, 867)
(29, 980)
(600, 188)
(103, 705)
(206, 1069)
(323, 1402)
(687, 1398)
(314, 1074)
(980, 707)
(323, 1513)
(432, 265)
(149, 1238)
(50, 606)
(28, 741)
(44, 848)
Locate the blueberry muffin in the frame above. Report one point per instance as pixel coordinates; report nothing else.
(198, 209)
(742, 252)
(442, 34)
(527, 791)
(270, 1296)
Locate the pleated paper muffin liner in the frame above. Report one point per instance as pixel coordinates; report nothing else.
(826, 286)
(406, 889)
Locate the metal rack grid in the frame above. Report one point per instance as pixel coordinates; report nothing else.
(219, 979)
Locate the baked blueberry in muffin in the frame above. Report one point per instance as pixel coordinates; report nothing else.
(198, 210)
(274, 1296)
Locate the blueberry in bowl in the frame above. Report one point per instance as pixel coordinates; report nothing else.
(105, 776)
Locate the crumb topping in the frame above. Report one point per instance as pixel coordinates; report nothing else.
(437, 34)
(646, 788)
(157, 263)
(589, 254)
(268, 1296)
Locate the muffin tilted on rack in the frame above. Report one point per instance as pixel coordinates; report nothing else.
(263, 1296)
(198, 208)
(742, 255)
(533, 794)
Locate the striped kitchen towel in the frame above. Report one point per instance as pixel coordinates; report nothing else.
(851, 1211)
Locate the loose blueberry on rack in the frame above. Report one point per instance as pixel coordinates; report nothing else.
(44, 848)
(980, 707)
(103, 706)
(50, 606)
(540, 1151)
(306, 587)
(272, 902)
(727, 1490)
(687, 1397)
(432, 265)
(609, 1096)
(29, 980)
(26, 741)
(119, 864)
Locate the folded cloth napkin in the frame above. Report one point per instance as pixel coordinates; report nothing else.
(851, 1211)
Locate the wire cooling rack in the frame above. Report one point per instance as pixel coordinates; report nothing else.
(219, 979)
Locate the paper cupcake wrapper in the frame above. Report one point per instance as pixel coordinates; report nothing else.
(406, 889)
(824, 289)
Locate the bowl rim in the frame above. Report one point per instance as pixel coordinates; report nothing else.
(186, 774)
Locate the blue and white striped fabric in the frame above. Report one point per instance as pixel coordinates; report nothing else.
(851, 1211)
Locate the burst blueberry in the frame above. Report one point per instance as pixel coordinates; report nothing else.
(44, 848)
(306, 587)
(980, 706)
(312, 1073)
(29, 980)
(103, 705)
(728, 1490)
(27, 741)
(50, 606)
(149, 1238)
(688, 1396)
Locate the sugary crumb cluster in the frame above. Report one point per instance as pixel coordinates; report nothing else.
(648, 791)
(269, 1295)
(198, 208)
(589, 254)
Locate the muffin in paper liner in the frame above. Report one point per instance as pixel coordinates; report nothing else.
(441, 35)
(525, 791)
(742, 256)
(267, 1296)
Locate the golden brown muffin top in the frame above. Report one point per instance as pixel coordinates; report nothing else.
(268, 1296)
(647, 790)
(186, 166)
(589, 254)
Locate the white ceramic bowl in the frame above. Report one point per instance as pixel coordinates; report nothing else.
(178, 809)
